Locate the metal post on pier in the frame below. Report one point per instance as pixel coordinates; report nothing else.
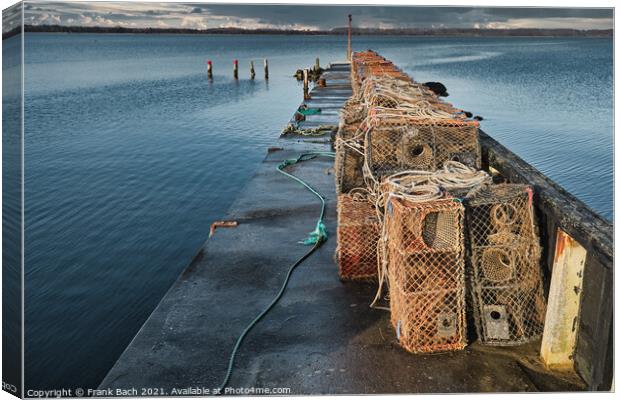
(209, 69)
(252, 73)
(349, 41)
(236, 69)
(266, 69)
(306, 85)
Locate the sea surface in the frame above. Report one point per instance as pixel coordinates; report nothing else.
(131, 152)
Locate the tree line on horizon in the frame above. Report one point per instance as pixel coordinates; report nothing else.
(334, 31)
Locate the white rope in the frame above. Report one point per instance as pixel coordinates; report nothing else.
(458, 176)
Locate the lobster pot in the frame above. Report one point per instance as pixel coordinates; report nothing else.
(348, 163)
(413, 98)
(402, 96)
(508, 298)
(396, 144)
(357, 236)
(376, 68)
(355, 85)
(426, 273)
(352, 112)
(360, 61)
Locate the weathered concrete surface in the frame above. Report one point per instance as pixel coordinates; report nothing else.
(322, 337)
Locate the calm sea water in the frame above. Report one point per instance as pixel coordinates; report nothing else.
(131, 153)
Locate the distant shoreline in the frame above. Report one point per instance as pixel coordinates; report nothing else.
(444, 32)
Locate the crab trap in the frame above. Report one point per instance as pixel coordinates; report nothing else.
(426, 273)
(357, 236)
(506, 281)
(393, 144)
(349, 160)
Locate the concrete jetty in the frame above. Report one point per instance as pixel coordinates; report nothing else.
(322, 337)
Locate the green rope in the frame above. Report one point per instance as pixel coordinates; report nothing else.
(319, 233)
(316, 238)
(305, 110)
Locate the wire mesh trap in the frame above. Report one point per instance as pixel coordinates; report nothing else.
(370, 64)
(357, 236)
(349, 159)
(352, 112)
(394, 144)
(506, 280)
(426, 273)
(392, 126)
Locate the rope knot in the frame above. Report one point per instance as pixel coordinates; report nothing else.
(317, 236)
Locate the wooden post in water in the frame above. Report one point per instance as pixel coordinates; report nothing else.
(252, 73)
(266, 69)
(317, 65)
(236, 69)
(349, 40)
(306, 85)
(209, 69)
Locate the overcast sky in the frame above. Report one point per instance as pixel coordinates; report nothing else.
(201, 16)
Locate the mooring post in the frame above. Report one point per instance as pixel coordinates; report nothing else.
(559, 339)
(306, 84)
(317, 68)
(209, 69)
(266, 69)
(252, 73)
(236, 69)
(349, 40)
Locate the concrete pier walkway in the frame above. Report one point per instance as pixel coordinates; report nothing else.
(321, 338)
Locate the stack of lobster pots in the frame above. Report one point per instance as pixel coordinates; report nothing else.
(416, 214)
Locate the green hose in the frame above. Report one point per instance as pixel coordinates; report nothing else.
(319, 232)
(316, 238)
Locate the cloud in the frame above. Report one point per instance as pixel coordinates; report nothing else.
(101, 21)
(96, 20)
(85, 20)
(552, 23)
(11, 17)
(193, 22)
(197, 15)
(48, 19)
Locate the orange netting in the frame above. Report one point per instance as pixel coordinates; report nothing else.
(369, 63)
(426, 273)
(358, 233)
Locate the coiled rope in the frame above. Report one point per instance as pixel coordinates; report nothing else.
(316, 238)
(407, 98)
